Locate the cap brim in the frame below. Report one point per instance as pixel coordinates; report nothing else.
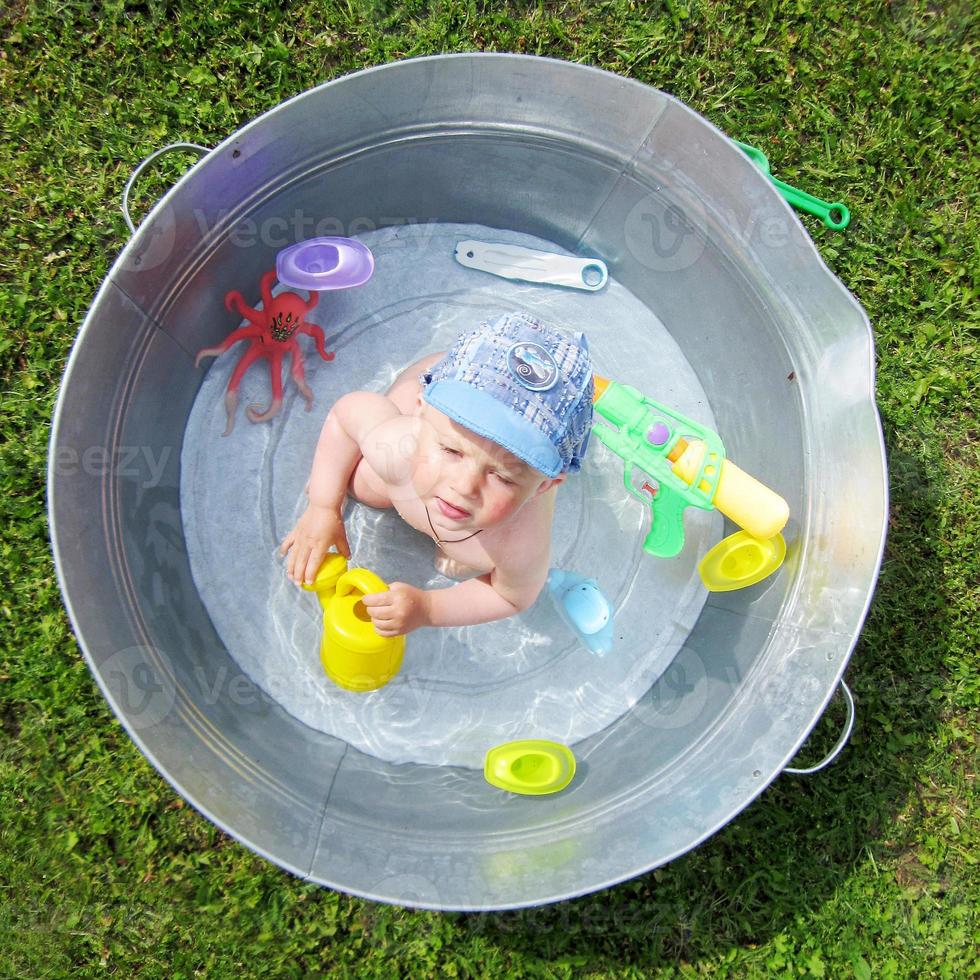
(483, 414)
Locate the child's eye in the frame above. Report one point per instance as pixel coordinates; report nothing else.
(506, 480)
(450, 450)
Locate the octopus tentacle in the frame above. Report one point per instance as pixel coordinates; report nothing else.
(265, 289)
(244, 363)
(254, 412)
(235, 303)
(299, 374)
(231, 395)
(231, 404)
(316, 332)
(255, 415)
(242, 333)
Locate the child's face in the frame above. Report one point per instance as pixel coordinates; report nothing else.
(465, 481)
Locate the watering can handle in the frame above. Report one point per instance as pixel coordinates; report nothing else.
(361, 580)
(196, 147)
(841, 742)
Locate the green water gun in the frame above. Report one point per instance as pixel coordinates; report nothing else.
(686, 462)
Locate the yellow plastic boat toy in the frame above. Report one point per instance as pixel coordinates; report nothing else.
(533, 767)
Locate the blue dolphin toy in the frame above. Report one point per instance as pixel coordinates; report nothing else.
(584, 608)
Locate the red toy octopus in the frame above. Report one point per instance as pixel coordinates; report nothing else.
(271, 334)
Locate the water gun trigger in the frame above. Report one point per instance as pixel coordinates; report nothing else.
(641, 484)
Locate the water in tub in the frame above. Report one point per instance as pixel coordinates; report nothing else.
(460, 690)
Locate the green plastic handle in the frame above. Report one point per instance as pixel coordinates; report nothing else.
(833, 214)
(666, 536)
(756, 156)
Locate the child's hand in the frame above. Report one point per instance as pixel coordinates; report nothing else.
(315, 532)
(398, 611)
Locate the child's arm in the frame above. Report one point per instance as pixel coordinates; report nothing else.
(480, 600)
(355, 427)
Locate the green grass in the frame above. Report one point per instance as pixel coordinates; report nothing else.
(867, 870)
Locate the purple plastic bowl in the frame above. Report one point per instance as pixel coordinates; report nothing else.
(325, 263)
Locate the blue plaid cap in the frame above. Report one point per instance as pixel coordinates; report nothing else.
(523, 385)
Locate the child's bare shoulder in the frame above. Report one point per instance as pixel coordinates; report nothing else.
(385, 437)
(521, 553)
(525, 540)
(361, 411)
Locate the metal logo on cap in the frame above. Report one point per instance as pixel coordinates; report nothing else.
(533, 366)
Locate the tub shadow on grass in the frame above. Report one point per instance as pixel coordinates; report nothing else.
(790, 850)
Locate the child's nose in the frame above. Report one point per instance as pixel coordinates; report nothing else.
(466, 480)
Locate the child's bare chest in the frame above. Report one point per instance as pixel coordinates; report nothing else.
(465, 546)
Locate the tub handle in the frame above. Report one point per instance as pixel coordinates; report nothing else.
(841, 742)
(203, 150)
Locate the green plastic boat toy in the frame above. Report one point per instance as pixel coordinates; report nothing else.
(533, 767)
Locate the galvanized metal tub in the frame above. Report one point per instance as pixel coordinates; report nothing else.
(600, 165)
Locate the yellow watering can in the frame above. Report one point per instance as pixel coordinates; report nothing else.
(352, 653)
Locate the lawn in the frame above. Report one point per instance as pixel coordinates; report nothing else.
(868, 869)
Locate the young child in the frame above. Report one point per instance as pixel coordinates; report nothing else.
(469, 447)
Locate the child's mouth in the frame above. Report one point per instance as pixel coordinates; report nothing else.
(453, 513)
